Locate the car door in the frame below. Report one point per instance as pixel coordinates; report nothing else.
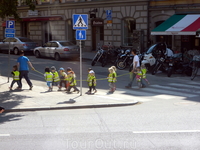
(47, 49)
(44, 48)
(52, 50)
(5, 44)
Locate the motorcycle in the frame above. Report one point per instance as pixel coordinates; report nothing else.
(176, 65)
(98, 56)
(124, 60)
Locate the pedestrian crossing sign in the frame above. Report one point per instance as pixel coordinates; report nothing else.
(80, 34)
(80, 21)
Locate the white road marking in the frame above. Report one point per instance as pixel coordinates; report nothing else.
(170, 131)
(4, 135)
(186, 85)
(164, 91)
(174, 88)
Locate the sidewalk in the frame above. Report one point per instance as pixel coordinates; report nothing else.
(39, 99)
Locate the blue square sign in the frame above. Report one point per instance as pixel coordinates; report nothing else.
(80, 34)
(80, 21)
(10, 24)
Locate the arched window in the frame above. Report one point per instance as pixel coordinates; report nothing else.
(128, 25)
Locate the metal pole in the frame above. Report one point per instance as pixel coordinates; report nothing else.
(80, 69)
(9, 62)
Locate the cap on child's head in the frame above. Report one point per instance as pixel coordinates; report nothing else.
(69, 69)
(61, 69)
(91, 71)
(53, 68)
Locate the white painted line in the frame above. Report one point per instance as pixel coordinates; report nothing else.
(173, 88)
(4, 135)
(172, 131)
(185, 85)
(164, 91)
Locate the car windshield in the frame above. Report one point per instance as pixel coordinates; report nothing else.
(66, 43)
(151, 49)
(25, 40)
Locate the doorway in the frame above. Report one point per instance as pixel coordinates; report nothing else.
(97, 33)
(46, 31)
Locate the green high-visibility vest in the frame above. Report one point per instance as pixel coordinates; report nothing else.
(16, 75)
(56, 77)
(49, 76)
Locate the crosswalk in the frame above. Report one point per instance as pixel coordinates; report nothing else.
(189, 90)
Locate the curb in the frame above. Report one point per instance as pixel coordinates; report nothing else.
(70, 107)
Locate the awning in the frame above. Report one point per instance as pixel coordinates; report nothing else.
(179, 25)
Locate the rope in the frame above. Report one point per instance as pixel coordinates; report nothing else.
(86, 80)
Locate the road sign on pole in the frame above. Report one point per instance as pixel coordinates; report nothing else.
(10, 28)
(80, 21)
(10, 24)
(80, 34)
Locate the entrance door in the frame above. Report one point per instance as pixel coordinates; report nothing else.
(47, 36)
(97, 33)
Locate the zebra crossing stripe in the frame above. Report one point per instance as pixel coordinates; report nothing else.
(197, 86)
(163, 90)
(188, 90)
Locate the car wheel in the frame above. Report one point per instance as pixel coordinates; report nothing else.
(57, 56)
(16, 51)
(37, 54)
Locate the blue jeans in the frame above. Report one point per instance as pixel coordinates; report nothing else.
(132, 77)
(24, 74)
(15, 81)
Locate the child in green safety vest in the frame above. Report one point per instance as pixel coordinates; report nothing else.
(49, 78)
(63, 79)
(138, 76)
(91, 81)
(56, 78)
(144, 71)
(72, 82)
(111, 79)
(15, 73)
(115, 72)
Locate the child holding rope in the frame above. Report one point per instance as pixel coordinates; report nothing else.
(91, 81)
(111, 79)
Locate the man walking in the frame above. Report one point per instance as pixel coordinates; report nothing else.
(136, 63)
(22, 63)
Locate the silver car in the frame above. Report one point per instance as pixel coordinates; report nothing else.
(57, 50)
(17, 44)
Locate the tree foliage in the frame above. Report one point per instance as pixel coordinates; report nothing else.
(8, 8)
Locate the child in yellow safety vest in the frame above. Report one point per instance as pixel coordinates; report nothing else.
(15, 73)
(56, 77)
(144, 71)
(63, 79)
(111, 79)
(91, 81)
(138, 76)
(72, 82)
(49, 78)
(115, 72)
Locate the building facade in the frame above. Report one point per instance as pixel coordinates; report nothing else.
(52, 20)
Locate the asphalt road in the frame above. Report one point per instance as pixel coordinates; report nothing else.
(166, 117)
(141, 127)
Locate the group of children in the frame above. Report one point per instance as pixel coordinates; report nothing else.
(141, 74)
(61, 79)
(67, 79)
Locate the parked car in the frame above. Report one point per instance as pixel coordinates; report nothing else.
(17, 44)
(57, 50)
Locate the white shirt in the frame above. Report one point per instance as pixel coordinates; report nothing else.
(136, 59)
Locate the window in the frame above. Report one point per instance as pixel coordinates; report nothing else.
(128, 25)
(54, 44)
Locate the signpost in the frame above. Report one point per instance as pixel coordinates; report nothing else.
(9, 32)
(80, 24)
